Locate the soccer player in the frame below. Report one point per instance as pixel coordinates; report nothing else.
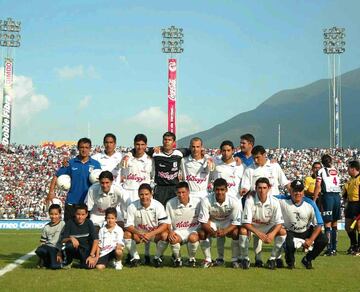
(302, 219)
(227, 168)
(146, 220)
(195, 169)
(183, 212)
(262, 167)
(310, 181)
(328, 183)
(247, 142)
(352, 210)
(103, 195)
(80, 239)
(167, 166)
(111, 242)
(137, 169)
(220, 217)
(50, 236)
(262, 216)
(79, 169)
(109, 159)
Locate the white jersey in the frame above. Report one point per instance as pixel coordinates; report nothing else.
(272, 171)
(137, 171)
(146, 219)
(196, 173)
(231, 172)
(98, 201)
(108, 240)
(330, 182)
(110, 163)
(257, 213)
(298, 218)
(183, 217)
(229, 210)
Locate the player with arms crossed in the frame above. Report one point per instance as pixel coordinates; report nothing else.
(195, 169)
(262, 167)
(220, 217)
(328, 183)
(262, 216)
(146, 220)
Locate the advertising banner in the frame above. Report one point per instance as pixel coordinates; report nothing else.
(7, 103)
(172, 96)
(23, 224)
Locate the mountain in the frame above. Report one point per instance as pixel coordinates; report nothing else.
(303, 114)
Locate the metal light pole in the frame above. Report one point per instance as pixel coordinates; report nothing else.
(334, 45)
(172, 44)
(9, 39)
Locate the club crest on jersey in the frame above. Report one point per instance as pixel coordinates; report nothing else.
(175, 164)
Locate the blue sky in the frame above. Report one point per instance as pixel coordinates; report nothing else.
(99, 63)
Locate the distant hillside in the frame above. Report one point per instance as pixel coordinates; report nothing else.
(302, 112)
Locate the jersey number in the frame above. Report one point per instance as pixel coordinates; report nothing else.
(335, 181)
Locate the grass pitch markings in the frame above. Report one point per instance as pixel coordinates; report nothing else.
(17, 263)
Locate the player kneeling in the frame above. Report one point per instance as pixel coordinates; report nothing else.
(220, 217)
(262, 216)
(111, 241)
(183, 213)
(146, 220)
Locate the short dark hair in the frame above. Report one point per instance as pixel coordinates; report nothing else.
(248, 137)
(111, 210)
(83, 141)
(354, 164)
(316, 162)
(169, 134)
(326, 160)
(262, 180)
(195, 139)
(227, 143)
(145, 186)
(81, 207)
(258, 149)
(140, 137)
(106, 174)
(55, 207)
(182, 184)
(219, 182)
(109, 135)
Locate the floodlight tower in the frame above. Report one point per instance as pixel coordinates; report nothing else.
(9, 39)
(334, 46)
(172, 44)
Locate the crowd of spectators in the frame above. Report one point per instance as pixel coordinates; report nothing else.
(26, 171)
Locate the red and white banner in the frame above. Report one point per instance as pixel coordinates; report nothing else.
(172, 96)
(7, 103)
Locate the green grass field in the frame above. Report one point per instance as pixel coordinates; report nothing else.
(339, 273)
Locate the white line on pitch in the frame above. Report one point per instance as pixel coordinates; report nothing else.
(18, 262)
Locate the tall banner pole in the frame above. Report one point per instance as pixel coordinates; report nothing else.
(7, 103)
(172, 96)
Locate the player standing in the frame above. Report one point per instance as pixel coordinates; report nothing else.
(195, 169)
(247, 142)
(328, 183)
(352, 210)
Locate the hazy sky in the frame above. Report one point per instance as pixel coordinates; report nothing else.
(99, 63)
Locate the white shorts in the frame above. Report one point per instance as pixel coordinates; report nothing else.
(199, 194)
(215, 225)
(184, 233)
(132, 194)
(98, 220)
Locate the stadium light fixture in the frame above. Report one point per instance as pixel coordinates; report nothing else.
(172, 40)
(334, 46)
(10, 33)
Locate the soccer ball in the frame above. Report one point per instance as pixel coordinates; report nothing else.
(64, 182)
(94, 176)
